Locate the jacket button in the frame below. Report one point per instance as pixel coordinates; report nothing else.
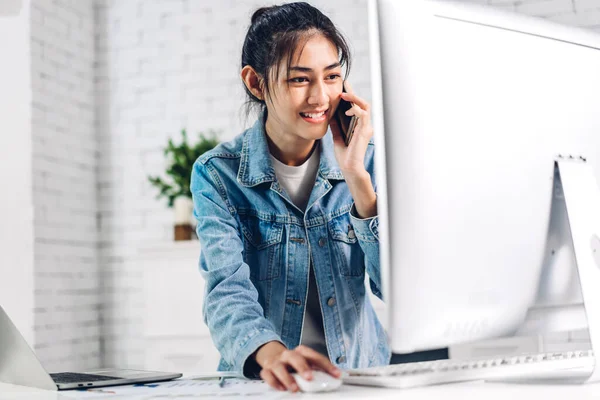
(331, 302)
(351, 234)
(341, 359)
(322, 242)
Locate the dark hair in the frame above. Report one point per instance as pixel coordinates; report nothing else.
(275, 32)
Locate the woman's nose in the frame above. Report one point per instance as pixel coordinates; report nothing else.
(318, 94)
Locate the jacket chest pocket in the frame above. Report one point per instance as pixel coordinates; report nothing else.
(262, 247)
(348, 254)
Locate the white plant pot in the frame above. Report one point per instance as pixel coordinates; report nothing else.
(183, 208)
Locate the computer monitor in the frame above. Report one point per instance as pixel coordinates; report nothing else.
(471, 105)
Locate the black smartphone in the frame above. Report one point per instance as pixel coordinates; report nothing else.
(346, 123)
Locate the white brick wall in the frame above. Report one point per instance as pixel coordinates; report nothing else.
(67, 302)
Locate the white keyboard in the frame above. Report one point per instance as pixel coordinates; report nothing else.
(574, 366)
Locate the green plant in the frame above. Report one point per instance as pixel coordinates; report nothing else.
(180, 161)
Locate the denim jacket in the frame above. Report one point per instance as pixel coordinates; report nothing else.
(256, 246)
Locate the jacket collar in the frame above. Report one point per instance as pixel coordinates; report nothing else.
(255, 163)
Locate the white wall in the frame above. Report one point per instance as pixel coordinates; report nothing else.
(67, 302)
(16, 209)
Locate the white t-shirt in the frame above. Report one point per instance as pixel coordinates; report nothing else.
(298, 182)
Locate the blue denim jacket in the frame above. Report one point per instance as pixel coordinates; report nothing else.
(256, 246)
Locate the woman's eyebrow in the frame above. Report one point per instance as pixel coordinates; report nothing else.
(306, 69)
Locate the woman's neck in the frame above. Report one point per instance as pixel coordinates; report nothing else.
(290, 150)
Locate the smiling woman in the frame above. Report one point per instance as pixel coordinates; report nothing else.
(302, 101)
(287, 213)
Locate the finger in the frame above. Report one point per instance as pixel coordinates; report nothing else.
(363, 118)
(298, 362)
(356, 110)
(268, 377)
(319, 360)
(362, 134)
(351, 97)
(282, 374)
(363, 104)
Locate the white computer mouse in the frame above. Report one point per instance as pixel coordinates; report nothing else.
(321, 382)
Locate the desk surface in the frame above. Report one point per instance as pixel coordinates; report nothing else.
(470, 390)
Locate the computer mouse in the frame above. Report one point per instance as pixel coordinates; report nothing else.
(321, 382)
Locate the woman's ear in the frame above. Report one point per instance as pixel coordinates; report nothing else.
(253, 82)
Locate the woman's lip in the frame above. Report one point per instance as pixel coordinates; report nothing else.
(325, 112)
(315, 121)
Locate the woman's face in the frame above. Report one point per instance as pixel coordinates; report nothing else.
(303, 104)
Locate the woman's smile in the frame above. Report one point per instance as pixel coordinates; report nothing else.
(315, 117)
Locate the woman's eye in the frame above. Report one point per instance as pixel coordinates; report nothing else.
(334, 76)
(299, 80)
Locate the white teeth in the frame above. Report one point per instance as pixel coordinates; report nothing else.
(314, 116)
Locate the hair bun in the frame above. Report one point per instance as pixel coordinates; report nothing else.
(260, 12)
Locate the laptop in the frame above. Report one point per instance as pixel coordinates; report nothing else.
(20, 366)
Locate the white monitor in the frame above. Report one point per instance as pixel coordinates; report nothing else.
(476, 104)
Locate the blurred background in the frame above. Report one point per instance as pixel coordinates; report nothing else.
(90, 92)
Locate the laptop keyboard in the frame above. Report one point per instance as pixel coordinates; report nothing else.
(72, 377)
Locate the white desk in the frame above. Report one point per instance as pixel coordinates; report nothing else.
(460, 391)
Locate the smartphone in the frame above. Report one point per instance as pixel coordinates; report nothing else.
(346, 123)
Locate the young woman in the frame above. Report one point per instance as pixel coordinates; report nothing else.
(287, 213)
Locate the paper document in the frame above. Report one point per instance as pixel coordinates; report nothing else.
(182, 389)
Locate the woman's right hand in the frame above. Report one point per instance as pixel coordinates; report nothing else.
(278, 363)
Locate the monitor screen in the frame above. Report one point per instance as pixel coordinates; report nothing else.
(471, 106)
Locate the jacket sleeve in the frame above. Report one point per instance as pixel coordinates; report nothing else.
(367, 233)
(231, 309)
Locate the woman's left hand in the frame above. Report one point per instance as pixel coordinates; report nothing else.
(351, 158)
